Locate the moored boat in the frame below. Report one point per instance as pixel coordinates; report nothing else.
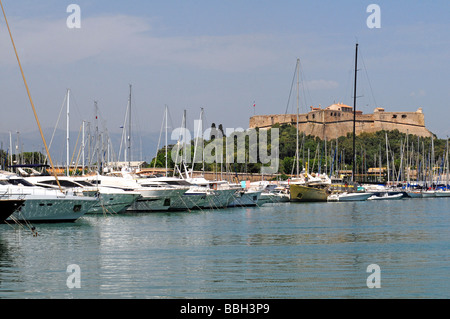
(303, 193)
(347, 197)
(386, 196)
(42, 204)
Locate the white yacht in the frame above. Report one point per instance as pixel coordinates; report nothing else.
(195, 196)
(153, 197)
(41, 204)
(111, 200)
(219, 193)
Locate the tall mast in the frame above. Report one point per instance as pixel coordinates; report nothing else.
(298, 92)
(354, 114)
(129, 129)
(97, 137)
(165, 115)
(83, 146)
(67, 133)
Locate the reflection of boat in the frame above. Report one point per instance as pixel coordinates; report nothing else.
(303, 193)
(386, 196)
(8, 207)
(347, 197)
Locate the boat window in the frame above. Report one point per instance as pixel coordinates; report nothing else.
(19, 181)
(84, 183)
(180, 182)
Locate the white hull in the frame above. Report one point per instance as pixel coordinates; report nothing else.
(269, 197)
(113, 202)
(386, 197)
(53, 209)
(442, 193)
(155, 200)
(219, 198)
(349, 197)
(247, 198)
(427, 194)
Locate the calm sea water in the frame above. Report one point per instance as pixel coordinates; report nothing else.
(316, 250)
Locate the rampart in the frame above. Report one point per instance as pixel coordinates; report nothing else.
(337, 120)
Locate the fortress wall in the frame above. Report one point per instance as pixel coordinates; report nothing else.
(331, 123)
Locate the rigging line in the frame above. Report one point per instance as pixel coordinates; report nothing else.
(368, 80)
(290, 92)
(57, 121)
(304, 83)
(29, 96)
(75, 148)
(159, 140)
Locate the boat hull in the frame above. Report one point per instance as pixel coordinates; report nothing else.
(351, 197)
(113, 203)
(442, 193)
(219, 198)
(155, 200)
(8, 207)
(414, 194)
(45, 210)
(386, 197)
(246, 199)
(300, 193)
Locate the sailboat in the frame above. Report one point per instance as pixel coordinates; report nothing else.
(304, 188)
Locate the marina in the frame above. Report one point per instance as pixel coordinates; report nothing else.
(313, 203)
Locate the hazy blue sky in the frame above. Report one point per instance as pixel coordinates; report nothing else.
(222, 56)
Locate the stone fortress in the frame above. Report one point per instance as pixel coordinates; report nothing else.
(337, 120)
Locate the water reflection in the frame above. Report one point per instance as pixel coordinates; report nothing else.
(318, 250)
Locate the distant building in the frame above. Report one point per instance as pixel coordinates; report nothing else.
(337, 120)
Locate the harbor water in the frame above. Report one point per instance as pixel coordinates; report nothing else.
(285, 250)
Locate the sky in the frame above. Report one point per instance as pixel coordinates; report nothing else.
(232, 58)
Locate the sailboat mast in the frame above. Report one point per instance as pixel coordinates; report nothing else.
(129, 129)
(97, 137)
(165, 115)
(67, 133)
(298, 98)
(354, 114)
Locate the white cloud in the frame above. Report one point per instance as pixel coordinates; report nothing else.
(127, 39)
